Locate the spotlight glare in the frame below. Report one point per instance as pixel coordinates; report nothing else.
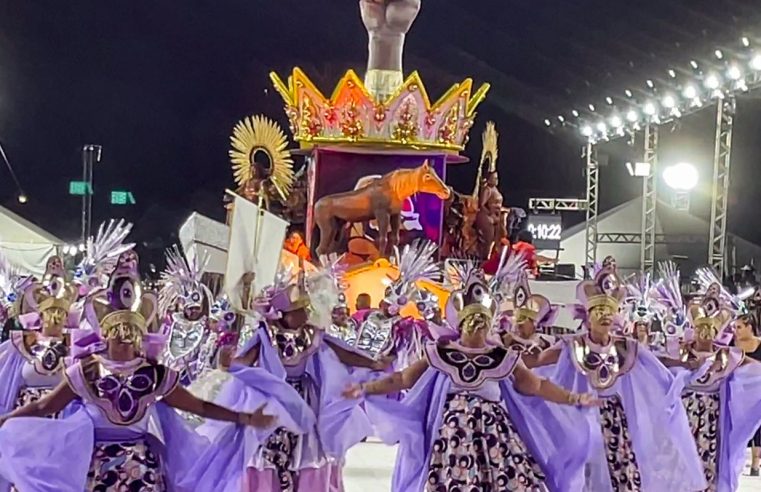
(592, 107)
(547, 122)
(745, 41)
(668, 101)
(649, 109)
(575, 113)
(615, 121)
(681, 177)
(718, 54)
(602, 127)
(694, 64)
(755, 62)
(632, 116)
(650, 83)
(672, 73)
(561, 118)
(690, 92)
(609, 100)
(712, 82)
(628, 93)
(586, 130)
(734, 72)
(22, 198)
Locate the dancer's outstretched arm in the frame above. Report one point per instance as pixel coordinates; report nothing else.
(528, 383)
(545, 358)
(397, 381)
(249, 358)
(353, 359)
(50, 404)
(182, 399)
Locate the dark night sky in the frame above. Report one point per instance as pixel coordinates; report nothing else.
(160, 85)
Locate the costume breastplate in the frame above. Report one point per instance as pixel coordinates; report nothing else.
(722, 364)
(347, 333)
(125, 393)
(603, 365)
(293, 346)
(46, 355)
(470, 368)
(533, 346)
(375, 335)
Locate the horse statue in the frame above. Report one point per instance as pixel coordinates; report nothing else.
(381, 199)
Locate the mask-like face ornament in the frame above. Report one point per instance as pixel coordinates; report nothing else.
(675, 324)
(222, 314)
(395, 299)
(54, 266)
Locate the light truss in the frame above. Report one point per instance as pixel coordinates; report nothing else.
(649, 201)
(636, 237)
(593, 170)
(725, 116)
(557, 204)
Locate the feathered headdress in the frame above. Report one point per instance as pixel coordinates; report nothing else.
(101, 255)
(710, 285)
(641, 303)
(415, 262)
(326, 288)
(668, 293)
(182, 281)
(511, 269)
(285, 294)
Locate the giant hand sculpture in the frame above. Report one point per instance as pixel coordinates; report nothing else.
(387, 22)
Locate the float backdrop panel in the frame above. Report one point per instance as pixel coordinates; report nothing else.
(337, 171)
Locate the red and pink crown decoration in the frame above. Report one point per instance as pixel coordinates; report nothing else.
(353, 116)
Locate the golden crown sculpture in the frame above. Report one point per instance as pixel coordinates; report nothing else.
(352, 116)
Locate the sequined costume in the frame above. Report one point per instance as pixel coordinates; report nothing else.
(640, 399)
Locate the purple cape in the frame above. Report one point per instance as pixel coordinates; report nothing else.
(551, 432)
(658, 425)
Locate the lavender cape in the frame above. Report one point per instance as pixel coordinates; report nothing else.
(651, 397)
(44, 455)
(552, 433)
(339, 423)
(11, 363)
(740, 416)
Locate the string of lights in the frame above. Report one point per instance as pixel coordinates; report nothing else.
(681, 91)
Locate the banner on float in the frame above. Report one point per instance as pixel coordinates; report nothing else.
(256, 242)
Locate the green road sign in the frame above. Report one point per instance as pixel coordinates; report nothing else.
(80, 188)
(119, 197)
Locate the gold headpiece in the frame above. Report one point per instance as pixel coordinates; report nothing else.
(54, 293)
(258, 134)
(605, 290)
(353, 116)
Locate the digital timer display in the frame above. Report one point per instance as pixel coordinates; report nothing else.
(547, 230)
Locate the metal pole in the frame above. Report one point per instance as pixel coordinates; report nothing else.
(90, 155)
(649, 201)
(725, 116)
(590, 154)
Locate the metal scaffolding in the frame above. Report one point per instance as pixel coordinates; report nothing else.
(725, 116)
(649, 201)
(593, 169)
(557, 204)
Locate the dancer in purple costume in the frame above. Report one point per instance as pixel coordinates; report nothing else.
(632, 451)
(532, 315)
(287, 347)
(466, 424)
(125, 436)
(723, 395)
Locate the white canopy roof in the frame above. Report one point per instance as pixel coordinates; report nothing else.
(25, 244)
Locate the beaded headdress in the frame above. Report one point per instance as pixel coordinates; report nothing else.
(182, 284)
(101, 255)
(668, 293)
(415, 262)
(641, 303)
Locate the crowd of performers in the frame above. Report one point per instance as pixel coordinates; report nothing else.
(108, 387)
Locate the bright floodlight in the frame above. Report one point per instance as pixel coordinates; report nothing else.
(649, 109)
(575, 113)
(602, 127)
(586, 131)
(628, 93)
(632, 116)
(609, 100)
(694, 64)
(690, 92)
(547, 122)
(734, 72)
(668, 101)
(712, 82)
(638, 169)
(672, 73)
(561, 118)
(718, 54)
(615, 121)
(22, 198)
(592, 107)
(650, 83)
(681, 177)
(745, 41)
(755, 62)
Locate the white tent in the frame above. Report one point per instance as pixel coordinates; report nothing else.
(626, 218)
(25, 244)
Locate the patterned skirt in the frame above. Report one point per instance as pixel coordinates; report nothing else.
(619, 451)
(30, 395)
(703, 414)
(280, 449)
(479, 450)
(121, 467)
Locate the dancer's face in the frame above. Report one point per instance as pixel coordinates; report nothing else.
(743, 328)
(601, 319)
(526, 326)
(295, 319)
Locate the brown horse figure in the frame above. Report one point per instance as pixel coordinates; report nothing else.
(380, 200)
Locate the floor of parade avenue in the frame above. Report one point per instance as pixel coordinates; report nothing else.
(370, 465)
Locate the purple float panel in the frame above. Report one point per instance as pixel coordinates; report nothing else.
(337, 171)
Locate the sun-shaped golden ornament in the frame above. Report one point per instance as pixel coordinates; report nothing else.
(259, 134)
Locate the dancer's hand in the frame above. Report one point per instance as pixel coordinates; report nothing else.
(353, 391)
(586, 400)
(383, 363)
(258, 418)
